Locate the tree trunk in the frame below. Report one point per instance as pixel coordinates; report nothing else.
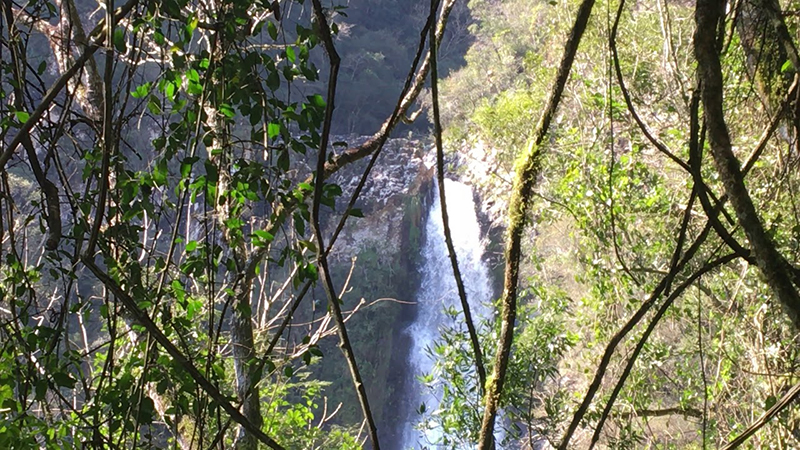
(767, 46)
(774, 267)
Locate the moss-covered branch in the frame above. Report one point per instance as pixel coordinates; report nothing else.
(527, 171)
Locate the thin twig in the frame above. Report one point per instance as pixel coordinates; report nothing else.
(702, 368)
(322, 257)
(448, 238)
(613, 217)
(779, 406)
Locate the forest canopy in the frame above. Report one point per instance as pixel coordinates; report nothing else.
(181, 182)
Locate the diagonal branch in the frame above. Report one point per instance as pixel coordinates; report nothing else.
(153, 330)
(96, 39)
(774, 267)
(462, 293)
(528, 168)
(602, 366)
(372, 146)
(646, 335)
(779, 406)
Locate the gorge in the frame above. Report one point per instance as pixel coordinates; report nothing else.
(401, 258)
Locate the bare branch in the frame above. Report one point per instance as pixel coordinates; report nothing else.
(448, 238)
(322, 257)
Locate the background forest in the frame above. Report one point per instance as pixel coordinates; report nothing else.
(210, 227)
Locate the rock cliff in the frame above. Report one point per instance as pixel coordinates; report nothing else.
(385, 245)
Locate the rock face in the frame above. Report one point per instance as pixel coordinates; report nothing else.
(393, 201)
(385, 244)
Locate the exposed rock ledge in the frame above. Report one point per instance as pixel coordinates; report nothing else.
(394, 201)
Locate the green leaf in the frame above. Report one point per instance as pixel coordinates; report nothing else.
(770, 402)
(290, 54)
(299, 224)
(264, 235)
(160, 172)
(178, 289)
(356, 212)
(227, 111)
(193, 307)
(273, 130)
(154, 105)
(169, 90)
(42, 67)
(273, 80)
(317, 100)
(194, 88)
(41, 389)
(159, 143)
(234, 223)
(158, 37)
(787, 66)
(191, 245)
(141, 91)
(119, 40)
(192, 75)
(192, 25)
(22, 116)
(64, 380)
(186, 166)
(272, 30)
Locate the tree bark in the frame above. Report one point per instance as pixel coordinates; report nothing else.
(241, 322)
(529, 165)
(774, 267)
(767, 45)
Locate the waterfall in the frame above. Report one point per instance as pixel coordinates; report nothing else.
(437, 292)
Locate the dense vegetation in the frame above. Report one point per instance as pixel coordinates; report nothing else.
(167, 213)
(628, 287)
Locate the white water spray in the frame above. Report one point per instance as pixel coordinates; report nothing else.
(437, 292)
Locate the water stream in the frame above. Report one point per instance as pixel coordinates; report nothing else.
(437, 292)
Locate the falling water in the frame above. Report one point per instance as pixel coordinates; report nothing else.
(437, 292)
